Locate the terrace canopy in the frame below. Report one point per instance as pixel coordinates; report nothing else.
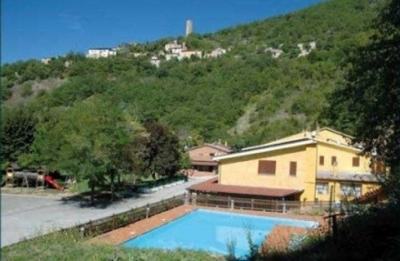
(213, 187)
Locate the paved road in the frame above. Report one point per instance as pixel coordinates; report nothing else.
(26, 216)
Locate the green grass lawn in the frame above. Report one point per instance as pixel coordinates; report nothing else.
(80, 187)
(69, 246)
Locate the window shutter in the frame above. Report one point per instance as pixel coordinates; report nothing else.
(293, 168)
(333, 161)
(321, 160)
(266, 167)
(356, 161)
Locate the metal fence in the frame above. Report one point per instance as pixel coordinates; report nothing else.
(282, 206)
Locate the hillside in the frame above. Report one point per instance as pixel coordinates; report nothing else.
(245, 96)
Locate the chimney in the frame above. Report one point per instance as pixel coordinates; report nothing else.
(317, 128)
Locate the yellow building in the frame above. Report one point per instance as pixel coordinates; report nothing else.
(307, 166)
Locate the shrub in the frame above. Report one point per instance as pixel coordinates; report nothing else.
(26, 90)
(369, 234)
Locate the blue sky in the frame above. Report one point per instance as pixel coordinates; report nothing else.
(44, 28)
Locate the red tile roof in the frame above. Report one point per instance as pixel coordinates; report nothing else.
(220, 147)
(212, 186)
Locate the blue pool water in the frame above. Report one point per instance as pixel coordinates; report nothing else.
(212, 231)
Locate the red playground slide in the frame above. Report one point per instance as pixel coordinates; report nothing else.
(53, 182)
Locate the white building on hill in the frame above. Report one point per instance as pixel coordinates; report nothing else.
(154, 60)
(216, 53)
(101, 52)
(189, 54)
(170, 56)
(306, 51)
(174, 47)
(138, 54)
(274, 52)
(45, 60)
(179, 51)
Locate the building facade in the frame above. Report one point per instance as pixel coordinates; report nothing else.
(101, 52)
(189, 54)
(174, 47)
(308, 166)
(201, 158)
(217, 52)
(154, 60)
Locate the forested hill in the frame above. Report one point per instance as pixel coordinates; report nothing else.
(245, 96)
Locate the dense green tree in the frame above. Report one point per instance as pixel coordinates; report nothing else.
(86, 141)
(369, 102)
(17, 132)
(162, 153)
(5, 94)
(26, 89)
(185, 162)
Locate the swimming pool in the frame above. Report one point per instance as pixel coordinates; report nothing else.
(212, 231)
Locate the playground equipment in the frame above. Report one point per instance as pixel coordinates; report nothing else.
(49, 180)
(30, 179)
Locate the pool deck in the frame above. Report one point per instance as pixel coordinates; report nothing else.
(122, 234)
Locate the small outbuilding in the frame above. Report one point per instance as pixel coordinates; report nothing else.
(201, 158)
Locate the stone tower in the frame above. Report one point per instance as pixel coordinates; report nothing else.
(189, 27)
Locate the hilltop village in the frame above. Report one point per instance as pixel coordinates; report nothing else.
(179, 51)
(172, 50)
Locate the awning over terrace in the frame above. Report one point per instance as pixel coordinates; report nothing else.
(212, 186)
(204, 163)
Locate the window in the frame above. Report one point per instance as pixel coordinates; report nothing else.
(321, 160)
(334, 161)
(293, 168)
(212, 154)
(266, 167)
(350, 189)
(356, 161)
(322, 188)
